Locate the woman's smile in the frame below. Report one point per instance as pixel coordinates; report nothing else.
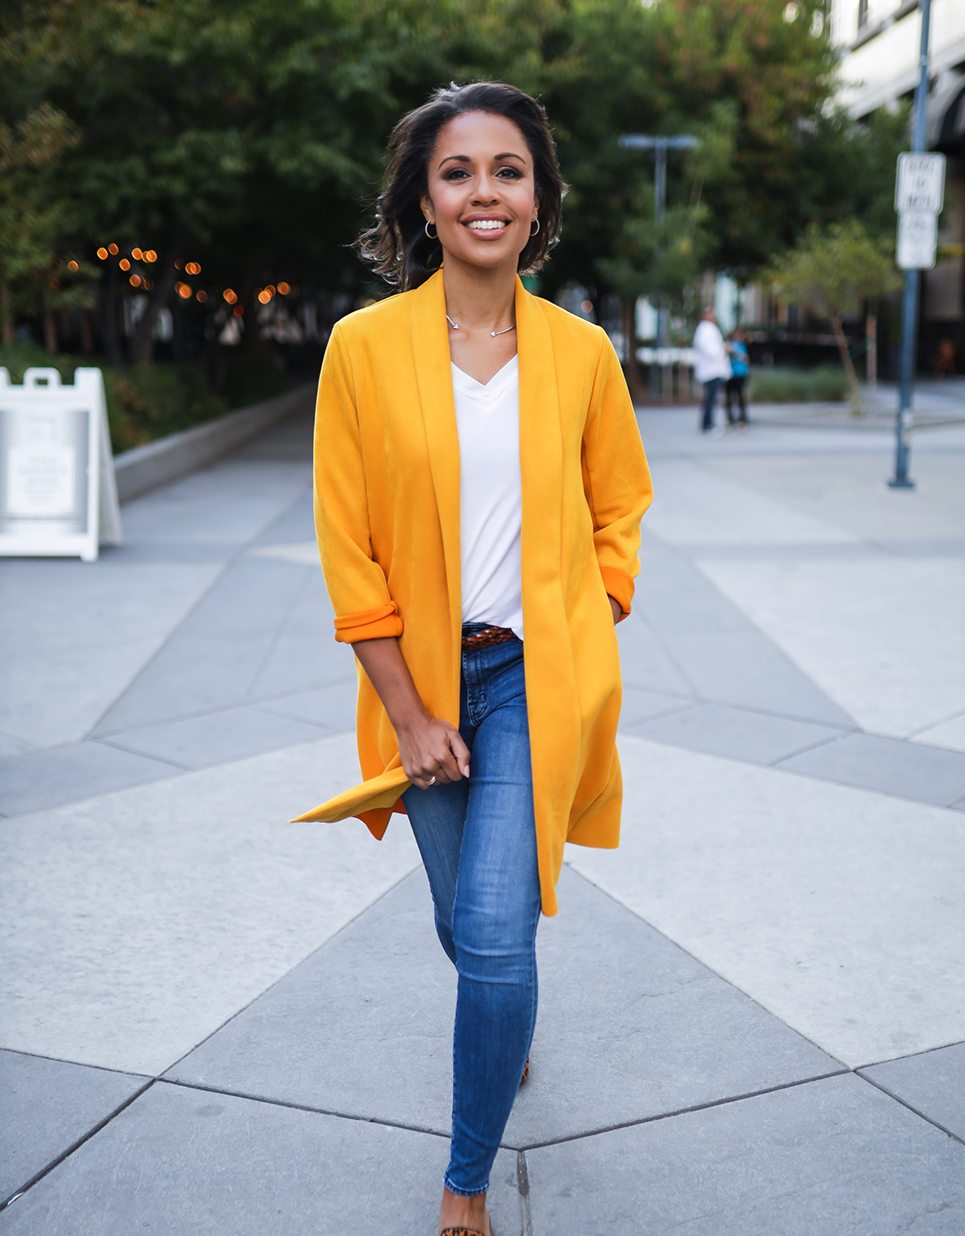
(487, 226)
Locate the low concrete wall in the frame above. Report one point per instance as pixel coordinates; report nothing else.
(167, 459)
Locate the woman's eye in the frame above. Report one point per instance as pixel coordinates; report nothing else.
(509, 173)
(457, 173)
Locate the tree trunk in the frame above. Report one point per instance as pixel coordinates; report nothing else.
(630, 335)
(142, 345)
(848, 363)
(86, 332)
(249, 319)
(112, 336)
(6, 311)
(871, 333)
(50, 329)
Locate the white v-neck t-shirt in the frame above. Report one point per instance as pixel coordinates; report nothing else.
(491, 505)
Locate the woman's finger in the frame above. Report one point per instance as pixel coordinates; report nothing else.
(460, 752)
(447, 769)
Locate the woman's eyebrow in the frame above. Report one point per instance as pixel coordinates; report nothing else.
(507, 154)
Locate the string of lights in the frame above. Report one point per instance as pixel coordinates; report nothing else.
(185, 291)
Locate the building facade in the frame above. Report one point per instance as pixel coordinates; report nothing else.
(879, 44)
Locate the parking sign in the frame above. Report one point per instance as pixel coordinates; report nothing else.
(920, 183)
(917, 238)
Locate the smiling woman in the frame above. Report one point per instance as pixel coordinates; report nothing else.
(479, 477)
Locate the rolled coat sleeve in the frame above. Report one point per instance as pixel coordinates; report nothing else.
(616, 478)
(357, 586)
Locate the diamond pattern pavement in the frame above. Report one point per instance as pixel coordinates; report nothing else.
(213, 1021)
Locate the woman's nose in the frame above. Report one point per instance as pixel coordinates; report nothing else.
(485, 190)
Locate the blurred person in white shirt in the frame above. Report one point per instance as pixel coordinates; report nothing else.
(711, 364)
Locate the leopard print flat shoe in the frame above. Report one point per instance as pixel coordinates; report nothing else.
(459, 1231)
(525, 1077)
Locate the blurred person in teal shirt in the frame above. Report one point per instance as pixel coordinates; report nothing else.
(739, 369)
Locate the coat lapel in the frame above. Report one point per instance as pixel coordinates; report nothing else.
(552, 695)
(540, 454)
(430, 350)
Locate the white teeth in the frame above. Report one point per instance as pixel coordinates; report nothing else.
(486, 225)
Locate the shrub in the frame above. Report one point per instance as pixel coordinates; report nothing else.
(776, 384)
(253, 375)
(150, 401)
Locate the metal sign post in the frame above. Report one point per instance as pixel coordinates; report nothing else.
(660, 146)
(919, 191)
(58, 496)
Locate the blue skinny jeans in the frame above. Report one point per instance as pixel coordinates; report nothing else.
(477, 838)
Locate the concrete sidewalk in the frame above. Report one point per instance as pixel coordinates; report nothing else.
(752, 1014)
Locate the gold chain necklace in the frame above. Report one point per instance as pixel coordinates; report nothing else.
(492, 333)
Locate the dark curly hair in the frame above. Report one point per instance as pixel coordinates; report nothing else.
(397, 247)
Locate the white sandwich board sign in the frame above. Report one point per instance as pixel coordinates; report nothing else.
(58, 495)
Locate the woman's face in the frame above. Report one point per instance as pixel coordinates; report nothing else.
(482, 195)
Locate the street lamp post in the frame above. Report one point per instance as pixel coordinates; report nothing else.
(660, 146)
(909, 310)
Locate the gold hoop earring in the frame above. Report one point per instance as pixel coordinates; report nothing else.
(431, 237)
(531, 232)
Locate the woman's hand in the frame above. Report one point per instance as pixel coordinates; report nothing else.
(429, 747)
(616, 607)
(433, 749)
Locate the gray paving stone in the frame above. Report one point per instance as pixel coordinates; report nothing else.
(167, 552)
(215, 655)
(715, 649)
(905, 769)
(332, 706)
(645, 662)
(745, 668)
(205, 506)
(12, 746)
(674, 596)
(734, 732)
(55, 775)
(933, 1083)
(218, 737)
(831, 1158)
(305, 653)
(72, 644)
(48, 1106)
(191, 1163)
(287, 439)
(295, 524)
(631, 1026)
(642, 705)
(634, 1025)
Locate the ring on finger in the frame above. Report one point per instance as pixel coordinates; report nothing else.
(431, 781)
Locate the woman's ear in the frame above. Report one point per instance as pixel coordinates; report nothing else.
(425, 204)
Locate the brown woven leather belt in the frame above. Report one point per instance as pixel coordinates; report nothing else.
(487, 637)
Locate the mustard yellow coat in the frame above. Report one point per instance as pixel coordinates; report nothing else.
(387, 519)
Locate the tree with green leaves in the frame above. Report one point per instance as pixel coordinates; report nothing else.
(248, 137)
(831, 271)
(37, 266)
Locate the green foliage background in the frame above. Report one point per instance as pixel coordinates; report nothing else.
(248, 135)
